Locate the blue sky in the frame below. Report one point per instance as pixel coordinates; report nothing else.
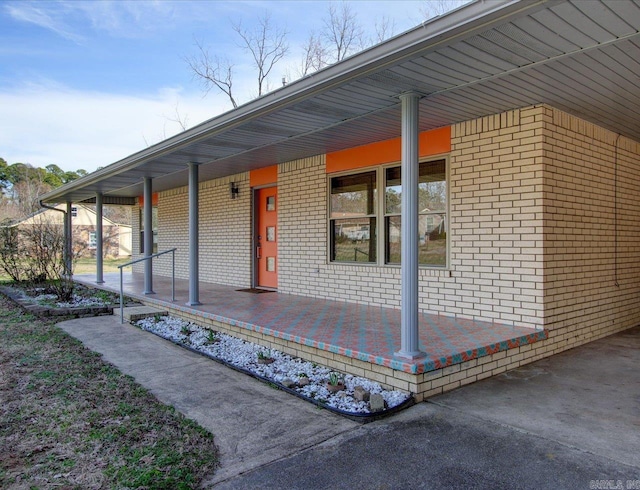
(86, 83)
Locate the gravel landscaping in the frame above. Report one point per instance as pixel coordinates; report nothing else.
(343, 392)
(42, 301)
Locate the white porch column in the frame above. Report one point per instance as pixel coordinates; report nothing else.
(99, 244)
(148, 235)
(194, 279)
(409, 342)
(68, 241)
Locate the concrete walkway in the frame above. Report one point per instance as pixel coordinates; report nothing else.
(252, 423)
(570, 421)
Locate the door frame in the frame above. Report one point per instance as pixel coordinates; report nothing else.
(254, 235)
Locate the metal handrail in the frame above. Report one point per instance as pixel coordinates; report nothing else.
(172, 251)
(356, 251)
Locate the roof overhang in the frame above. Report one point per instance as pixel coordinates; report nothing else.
(484, 58)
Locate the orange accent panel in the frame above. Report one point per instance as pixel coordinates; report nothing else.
(432, 142)
(364, 156)
(263, 176)
(266, 252)
(154, 200)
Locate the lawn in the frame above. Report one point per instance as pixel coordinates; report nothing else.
(87, 265)
(70, 420)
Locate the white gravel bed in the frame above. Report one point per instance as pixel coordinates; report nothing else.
(76, 302)
(285, 369)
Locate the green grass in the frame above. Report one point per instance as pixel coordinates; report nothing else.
(87, 265)
(70, 420)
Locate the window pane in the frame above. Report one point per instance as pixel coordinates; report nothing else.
(353, 240)
(393, 232)
(353, 195)
(432, 188)
(432, 248)
(393, 191)
(432, 239)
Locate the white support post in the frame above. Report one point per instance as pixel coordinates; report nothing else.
(194, 280)
(148, 235)
(409, 340)
(99, 244)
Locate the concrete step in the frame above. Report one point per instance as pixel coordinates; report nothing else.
(135, 313)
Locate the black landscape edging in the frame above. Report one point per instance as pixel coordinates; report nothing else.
(363, 418)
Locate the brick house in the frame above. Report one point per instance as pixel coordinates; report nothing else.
(500, 144)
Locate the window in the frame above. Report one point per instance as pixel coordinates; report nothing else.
(432, 214)
(93, 239)
(353, 218)
(154, 224)
(354, 211)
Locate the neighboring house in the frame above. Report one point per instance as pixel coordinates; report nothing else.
(521, 121)
(117, 237)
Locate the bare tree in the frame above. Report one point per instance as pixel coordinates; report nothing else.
(26, 195)
(9, 210)
(342, 33)
(179, 119)
(212, 71)
(434, 8)
(314, 55)
(35, 253)
(385, 28)
(267, 44)
(118, 214)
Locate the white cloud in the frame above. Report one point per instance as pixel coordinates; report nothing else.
(39, 15)
(47, 124)
(73, 19)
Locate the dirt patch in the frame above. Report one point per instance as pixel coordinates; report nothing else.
(70, 420)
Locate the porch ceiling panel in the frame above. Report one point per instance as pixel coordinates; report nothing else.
(487, 57)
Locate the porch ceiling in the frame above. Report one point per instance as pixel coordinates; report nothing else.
(487, 57)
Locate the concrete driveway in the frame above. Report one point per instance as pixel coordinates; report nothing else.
(571, 421)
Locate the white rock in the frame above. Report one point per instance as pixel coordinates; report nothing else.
(244, 354)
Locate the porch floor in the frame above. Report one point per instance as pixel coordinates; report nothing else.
(367, 333)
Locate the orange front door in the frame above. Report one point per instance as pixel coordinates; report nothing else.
(266, 252)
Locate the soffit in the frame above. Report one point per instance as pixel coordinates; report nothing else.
(581, 57)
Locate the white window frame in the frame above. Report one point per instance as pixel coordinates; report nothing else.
(93, 239)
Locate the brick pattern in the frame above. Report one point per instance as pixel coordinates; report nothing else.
(225, 232)
(592, 228)
(495, 230)
(302, 230)
(496, 219)
(110, 238)
(136, 226)
(303, 245)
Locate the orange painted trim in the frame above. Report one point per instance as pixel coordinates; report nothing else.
(154, 200)
(263, 176)
(434, 142)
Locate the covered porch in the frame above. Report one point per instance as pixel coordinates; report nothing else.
(356, 338)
